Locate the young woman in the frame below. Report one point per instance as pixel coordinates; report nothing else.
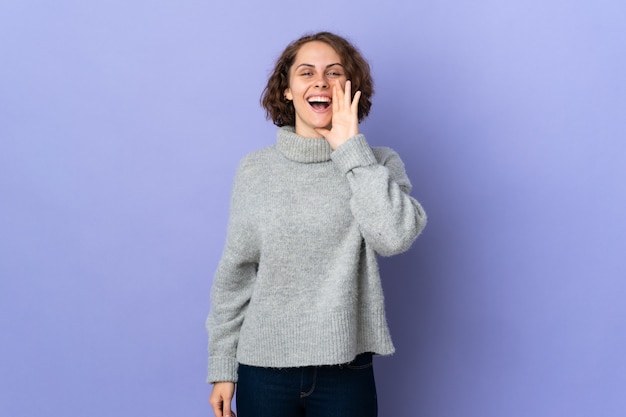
(297, 306)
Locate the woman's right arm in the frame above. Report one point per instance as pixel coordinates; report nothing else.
(233, 283)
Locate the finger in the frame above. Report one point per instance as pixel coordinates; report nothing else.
(347, 95)
(221, 408)
(227, 411)
(336, 97)
(340, 87)
(217, 409)
(355, 102)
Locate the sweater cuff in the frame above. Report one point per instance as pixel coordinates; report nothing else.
(353, 153)
(222, 370)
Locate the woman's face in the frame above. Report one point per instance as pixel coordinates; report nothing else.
(316, 69)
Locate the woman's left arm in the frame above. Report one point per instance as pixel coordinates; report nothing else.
(389, 218)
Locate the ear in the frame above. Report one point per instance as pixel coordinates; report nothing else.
(288, 94)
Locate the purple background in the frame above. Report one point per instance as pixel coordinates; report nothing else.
(121, 124)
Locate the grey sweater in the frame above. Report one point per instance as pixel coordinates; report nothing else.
(298, 281)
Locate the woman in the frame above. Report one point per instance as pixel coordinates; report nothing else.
(296, 305)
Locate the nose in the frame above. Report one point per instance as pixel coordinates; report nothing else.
(322, 81)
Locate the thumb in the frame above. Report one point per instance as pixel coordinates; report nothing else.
(227, 412)
(322, 131)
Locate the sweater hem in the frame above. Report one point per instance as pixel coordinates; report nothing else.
(312, 340)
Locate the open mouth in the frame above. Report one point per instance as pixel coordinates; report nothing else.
(319, 102)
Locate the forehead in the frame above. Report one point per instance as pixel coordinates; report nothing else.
(317, 52)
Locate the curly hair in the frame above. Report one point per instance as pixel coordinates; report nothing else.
(282, 112)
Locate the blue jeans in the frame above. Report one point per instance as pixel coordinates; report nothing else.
(313, 391)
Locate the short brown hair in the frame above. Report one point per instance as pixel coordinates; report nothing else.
(281, 111)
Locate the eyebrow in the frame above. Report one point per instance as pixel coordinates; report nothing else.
(313, 66)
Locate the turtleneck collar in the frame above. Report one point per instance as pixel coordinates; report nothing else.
(301, 149)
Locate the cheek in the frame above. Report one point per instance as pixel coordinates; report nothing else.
(295, 90)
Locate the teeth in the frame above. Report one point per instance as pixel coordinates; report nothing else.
(319, 99)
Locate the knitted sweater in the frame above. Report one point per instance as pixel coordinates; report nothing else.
(298, 281)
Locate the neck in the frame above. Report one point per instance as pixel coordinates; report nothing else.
(300, 148)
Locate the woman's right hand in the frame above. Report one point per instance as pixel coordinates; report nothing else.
(221, 398)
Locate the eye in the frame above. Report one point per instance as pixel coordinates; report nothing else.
(334, 74)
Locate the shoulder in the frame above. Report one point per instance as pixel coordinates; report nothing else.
(259, 155)
(385, 155)
(256, 160)
(251, 173)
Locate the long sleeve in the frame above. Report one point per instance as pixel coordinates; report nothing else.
(388, 217)
(232, 285)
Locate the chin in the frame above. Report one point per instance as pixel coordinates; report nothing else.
(323, 124)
